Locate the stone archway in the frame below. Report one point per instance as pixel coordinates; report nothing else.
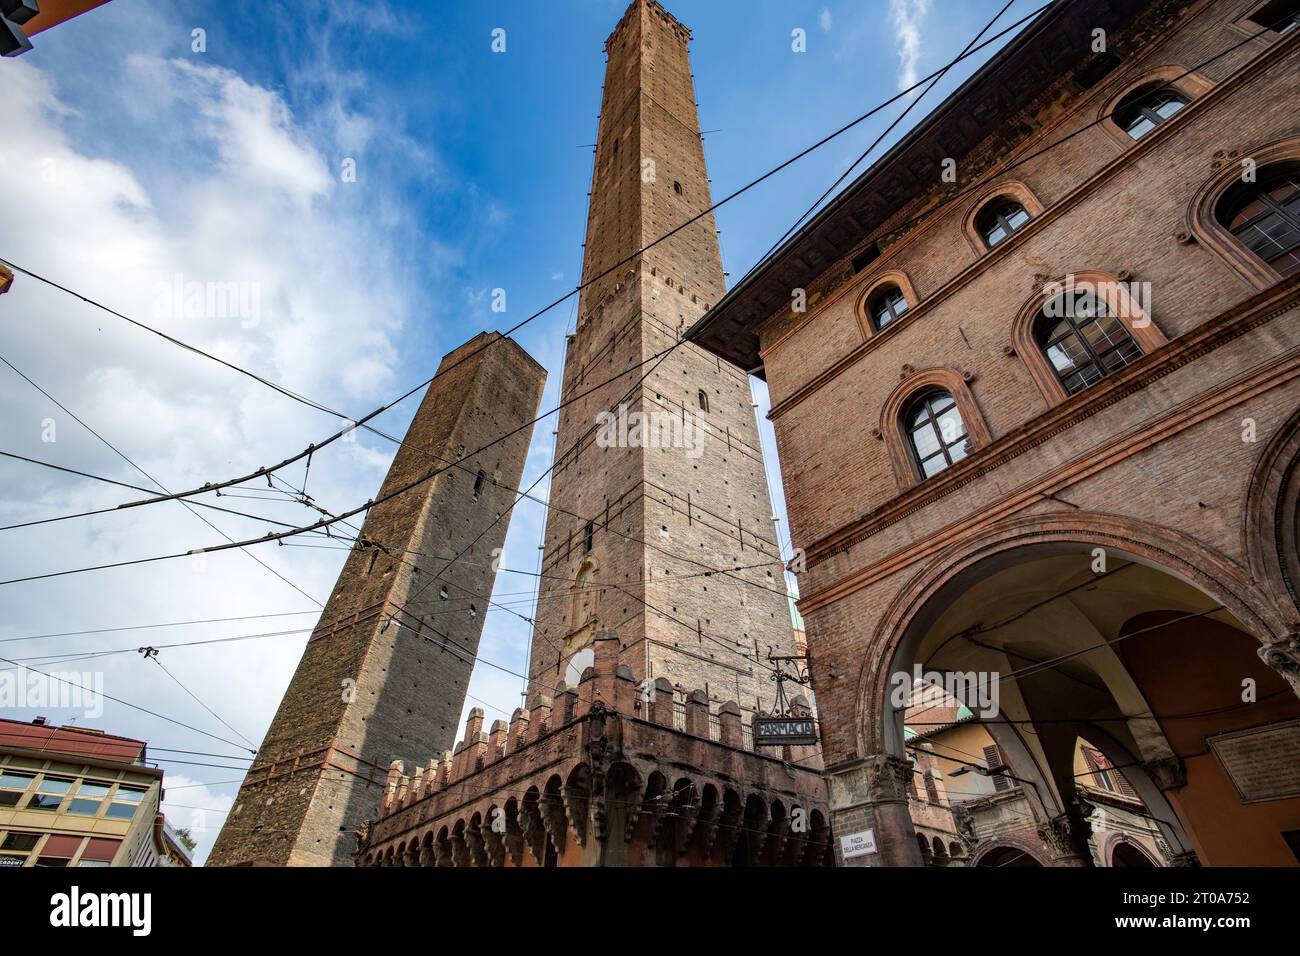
(1008, 854)
(1049, 605)
(1127, 854)
(920, 602)
(1271, 526)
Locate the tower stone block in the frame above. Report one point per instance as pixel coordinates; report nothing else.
(659, 477)
(384, 674)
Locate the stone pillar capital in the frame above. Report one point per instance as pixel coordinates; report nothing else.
(1283, 656)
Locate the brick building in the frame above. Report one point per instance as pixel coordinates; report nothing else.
(601, 776)
(662, 592)
(639, 521)
(384, 673)
(22, 19)
(1040, 421)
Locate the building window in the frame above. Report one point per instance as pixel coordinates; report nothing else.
(703, 400)
(936, 432)
(999, 219)
(12, 788)
(994, 760)
(677, 187)
(885, 305)
(15, 847)
(1280, 16)
(49, 794)
(88, 799)
(1142, 112)
(588, 537)
(1084, 340)
(478, 484)
(124, 803)
(1265, 217)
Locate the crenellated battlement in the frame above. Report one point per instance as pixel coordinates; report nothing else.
(651, 8)
(607, 729)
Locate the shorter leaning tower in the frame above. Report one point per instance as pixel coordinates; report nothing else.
(384, 674)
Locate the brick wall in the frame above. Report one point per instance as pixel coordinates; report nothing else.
(661, 517)
(384, 674)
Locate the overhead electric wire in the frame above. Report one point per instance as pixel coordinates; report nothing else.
(233, 544)
(125, 703)
(361, 422)
(999, 171)
(116, 508)
(879, 139)
(577, 446)
(325, 524)
(220, 719)
(124, 457)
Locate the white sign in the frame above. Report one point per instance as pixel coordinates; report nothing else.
(858, 844)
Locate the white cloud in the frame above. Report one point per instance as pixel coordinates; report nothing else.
(824, 20)
(906, 17)
(210, 177)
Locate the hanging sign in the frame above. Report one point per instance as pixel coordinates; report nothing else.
(784, 731)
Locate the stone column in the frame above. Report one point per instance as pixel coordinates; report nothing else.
(1066, 837)
(872, 794)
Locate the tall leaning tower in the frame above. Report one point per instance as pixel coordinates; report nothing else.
(637, 528)
(384, 674)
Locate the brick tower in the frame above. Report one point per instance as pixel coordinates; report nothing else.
(635, 525)
(384, 674)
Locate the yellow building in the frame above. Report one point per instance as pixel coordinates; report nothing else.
(71, 796)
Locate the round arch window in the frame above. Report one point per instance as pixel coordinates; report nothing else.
(1143, 111)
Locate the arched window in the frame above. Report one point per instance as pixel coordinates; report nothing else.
(936, 431)
(999, 219)
(885, 305)
(1143, 111)
(1084, 340)
(1265, 216)
(478, 484)
(704, 400)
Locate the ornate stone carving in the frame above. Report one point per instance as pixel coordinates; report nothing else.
(887, 778)
(1060, 835)
(363, 835)
(1168, 772)
(1283, 656)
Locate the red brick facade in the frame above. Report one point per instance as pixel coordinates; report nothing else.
(603, 776)
(1178, 468)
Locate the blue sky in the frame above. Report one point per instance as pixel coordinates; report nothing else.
(148, 163)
